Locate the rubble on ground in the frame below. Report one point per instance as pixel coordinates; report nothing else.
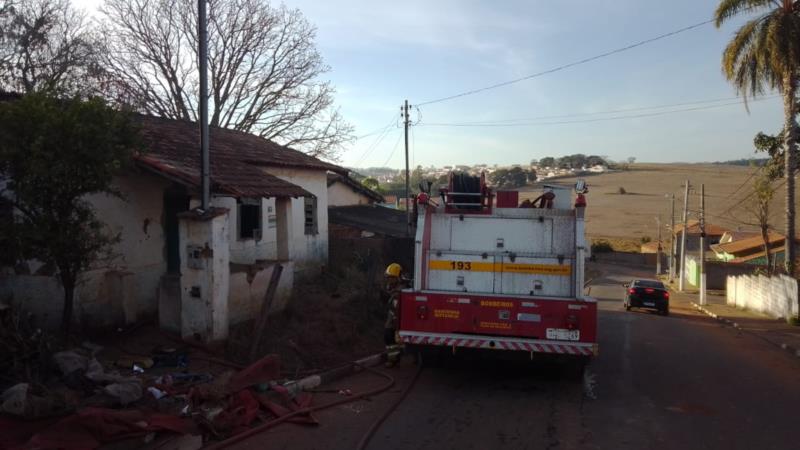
(88, 401)
(83, 395)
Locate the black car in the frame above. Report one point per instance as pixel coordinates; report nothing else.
(647, 294)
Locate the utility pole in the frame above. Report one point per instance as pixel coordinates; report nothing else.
(408, 175)
(682, 265)
(202, 32)
(703, 244)
(658, 247)
(672, 243)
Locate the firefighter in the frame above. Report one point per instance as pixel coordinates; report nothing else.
(394, 284)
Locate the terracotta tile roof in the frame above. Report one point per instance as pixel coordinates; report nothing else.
(749, 244)
(694, 228)
(744, 259)
(739, 235)
(237, 159)
(354, 185)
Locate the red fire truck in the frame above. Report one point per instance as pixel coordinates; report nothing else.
(491, 273)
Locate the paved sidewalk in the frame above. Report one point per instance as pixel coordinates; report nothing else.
(775, 331)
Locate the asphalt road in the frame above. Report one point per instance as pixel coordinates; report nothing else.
(677, 382)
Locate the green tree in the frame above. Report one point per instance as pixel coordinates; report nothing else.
(765, 55)
(763, 191)
(510, 178)
(595, 160)
(773, 146)
(548, 161)
(54, 153)
(372, 183)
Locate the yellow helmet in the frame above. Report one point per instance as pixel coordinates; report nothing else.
(393, 270)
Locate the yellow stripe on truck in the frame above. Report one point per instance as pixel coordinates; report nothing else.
(479, 266)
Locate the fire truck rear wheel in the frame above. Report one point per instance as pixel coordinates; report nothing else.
(576, 366)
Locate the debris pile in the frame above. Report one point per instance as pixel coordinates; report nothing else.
(90, 405)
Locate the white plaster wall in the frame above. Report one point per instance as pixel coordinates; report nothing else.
(339, 194)
(122, 289)
(775, 296)
(141, 250)
(309, 252)
(248, 251)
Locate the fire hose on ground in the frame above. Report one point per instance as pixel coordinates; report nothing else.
(362, 444)
(390, 381)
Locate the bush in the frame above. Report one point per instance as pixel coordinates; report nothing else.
(621, 191)
(601, 246)
(646, 239)
(794, 321)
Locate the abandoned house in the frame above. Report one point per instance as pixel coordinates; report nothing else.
(345, 191)
(197, 272)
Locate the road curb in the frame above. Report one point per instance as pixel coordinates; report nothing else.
(313, 381)
(784, 346)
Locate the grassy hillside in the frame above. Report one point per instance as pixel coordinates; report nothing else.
(632, 216)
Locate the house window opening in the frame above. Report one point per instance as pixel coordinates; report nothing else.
(310, 210)
(250, 219)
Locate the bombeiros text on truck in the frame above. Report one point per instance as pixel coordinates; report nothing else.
(493, 273)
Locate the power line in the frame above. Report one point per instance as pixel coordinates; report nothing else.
(747, 180)
(413, 148)
(372, 147)
(600, 119)
(611, 111)
(393, 121)
(566, 66)
(393, 150)
(739, 203)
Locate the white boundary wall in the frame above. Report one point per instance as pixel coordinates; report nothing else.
(775, 296)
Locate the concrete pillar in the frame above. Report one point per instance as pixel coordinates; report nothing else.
(205, 274)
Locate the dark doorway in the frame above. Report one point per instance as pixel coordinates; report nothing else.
(176, 200)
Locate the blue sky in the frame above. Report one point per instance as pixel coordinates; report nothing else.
(382, 52)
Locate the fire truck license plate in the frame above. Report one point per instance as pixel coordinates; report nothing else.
(563, 334)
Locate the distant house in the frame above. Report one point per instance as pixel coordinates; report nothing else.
(731, 236)
(197, 271)
(345, 191)
(598, 168)
(390, 201)
(750, 250)
(713, 235)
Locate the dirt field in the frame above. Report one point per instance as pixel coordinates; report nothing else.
(632, 216)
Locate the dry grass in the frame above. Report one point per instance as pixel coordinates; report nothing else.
(626, 218)
(328, 322)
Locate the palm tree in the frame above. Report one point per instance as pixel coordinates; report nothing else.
(765, 55)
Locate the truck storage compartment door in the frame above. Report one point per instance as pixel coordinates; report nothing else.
(455, 272)
(496, 234)
(540, 276)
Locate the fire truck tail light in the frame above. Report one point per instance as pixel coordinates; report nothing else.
(422, 312)
(572, 322)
